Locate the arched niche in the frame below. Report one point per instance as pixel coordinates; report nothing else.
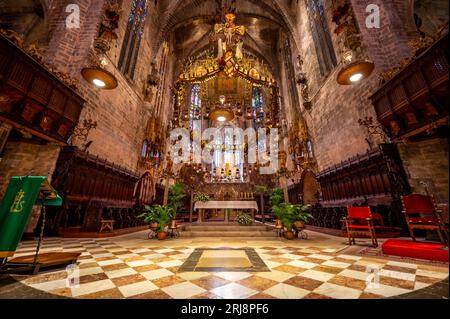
(310, 188)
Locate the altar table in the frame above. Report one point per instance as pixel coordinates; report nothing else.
(227, 205)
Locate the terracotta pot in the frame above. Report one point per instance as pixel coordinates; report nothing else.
(173, 224)
(162, 235)
(299, 225)
(154, 225)
(278, 224)
(289, 234)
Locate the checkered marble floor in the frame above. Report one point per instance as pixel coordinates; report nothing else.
(133, 267)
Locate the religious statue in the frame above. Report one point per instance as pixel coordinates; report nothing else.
(230, 37)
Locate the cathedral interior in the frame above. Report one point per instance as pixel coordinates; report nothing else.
(231, 149)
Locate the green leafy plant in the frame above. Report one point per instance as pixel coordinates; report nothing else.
(148, 216)
(244, 219)
(176, 196)
(289, 214)
(303, 214)
(201, 197)
(158, 214)
(276, 197)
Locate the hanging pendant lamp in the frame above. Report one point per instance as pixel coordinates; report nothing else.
(221, 113)
(99, 77)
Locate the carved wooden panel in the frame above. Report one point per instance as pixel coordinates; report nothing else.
(417, 96)
(33, 97)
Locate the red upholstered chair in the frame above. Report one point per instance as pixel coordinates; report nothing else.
(421, 213)
(359, 221)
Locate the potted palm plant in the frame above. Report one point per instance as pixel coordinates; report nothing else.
(176, 196)
(161, 215)
(149, 217)
(303, 216)
(276, 197)
(290, 214)
(287, 216)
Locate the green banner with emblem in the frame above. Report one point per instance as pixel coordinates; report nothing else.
(22, 194)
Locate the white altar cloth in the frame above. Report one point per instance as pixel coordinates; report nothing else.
(227, 205)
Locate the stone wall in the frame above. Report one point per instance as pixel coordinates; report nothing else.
(333, 119)
(121, 113)
(27, 158)
(23, 158)
(433, 14)
(426, 165)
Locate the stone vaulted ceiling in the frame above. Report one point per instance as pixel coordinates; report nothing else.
(191, 22)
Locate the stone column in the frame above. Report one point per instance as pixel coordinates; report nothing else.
(283, 184)
(166, 192)
(191, 208)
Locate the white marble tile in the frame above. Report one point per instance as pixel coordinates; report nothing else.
(290, 256)
(430, 273)
(192, 275)
(397, 274)
(90, 271)
(183, 291)
(276, 275)
(302, 264)
(164, 250)
(120, 273)
(137, 288)
(126, 256)
(138, 263)
(233, 276)
(170, 263)
(102, 255)
(234, 291)
(386, 291)
(337, 292)
(272, 264)
(337, 264)
(283, 291)
(355, 274)
(349, 257)
(317, 275)
(92, 287)
(156, 274)
(319, 256)
(50, 285)
(110, 262)
(402, 264)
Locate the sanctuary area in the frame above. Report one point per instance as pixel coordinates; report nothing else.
(224, 149)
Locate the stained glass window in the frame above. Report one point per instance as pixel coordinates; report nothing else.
(258, 106)
(196, 106)
(309, 145)
(321, 36)
(133, 37)
(144, 149)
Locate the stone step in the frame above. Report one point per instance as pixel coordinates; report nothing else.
(252, 234)
(226, 228)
